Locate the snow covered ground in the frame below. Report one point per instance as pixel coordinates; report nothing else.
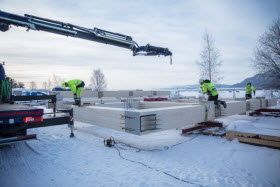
(169, 159)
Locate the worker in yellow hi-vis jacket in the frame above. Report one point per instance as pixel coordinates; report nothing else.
(213, 94)
(249, 89)
(76, 87)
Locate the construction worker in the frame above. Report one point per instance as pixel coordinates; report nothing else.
(76, 87)
(249, 89)
(213, 94)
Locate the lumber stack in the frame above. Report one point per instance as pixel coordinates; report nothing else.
(252, 138)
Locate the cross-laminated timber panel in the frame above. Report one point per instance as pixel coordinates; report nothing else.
(271, 102)
(100, 116)
(170, 117)
(117, 94)
(167, 118)
(253, 104)
(235, 107)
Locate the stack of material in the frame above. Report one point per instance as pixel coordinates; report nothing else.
(215, 131)
(266, 112)
(210, 126)
(264, 131)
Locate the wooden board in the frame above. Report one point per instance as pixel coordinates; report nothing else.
(87, 104)
(259, 139)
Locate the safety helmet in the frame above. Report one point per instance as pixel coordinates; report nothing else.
(200, 81)
(63, 84)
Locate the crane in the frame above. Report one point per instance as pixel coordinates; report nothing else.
(16, 119)
(97, 35)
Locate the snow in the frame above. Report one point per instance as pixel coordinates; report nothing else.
(164, 158)
(264, 126)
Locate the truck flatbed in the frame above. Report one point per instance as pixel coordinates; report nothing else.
(6, 110)
(7, 106)
(11, 114)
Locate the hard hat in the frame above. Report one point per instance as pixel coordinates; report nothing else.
(63, 84)
(200, 81)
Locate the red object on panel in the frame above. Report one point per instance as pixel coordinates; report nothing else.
(156, 99)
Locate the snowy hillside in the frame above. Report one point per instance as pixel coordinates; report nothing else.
(265, 80)
(260, 81)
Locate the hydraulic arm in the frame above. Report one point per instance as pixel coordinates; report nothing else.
(67, 29)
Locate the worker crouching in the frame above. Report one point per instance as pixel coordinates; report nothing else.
(76, 87)
(213, 94)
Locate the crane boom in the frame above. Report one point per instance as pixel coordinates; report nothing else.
(67, 29)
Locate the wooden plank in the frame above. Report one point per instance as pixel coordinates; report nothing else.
(259, 142)
(266, 140)
(233, 134)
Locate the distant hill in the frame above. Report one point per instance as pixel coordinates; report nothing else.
(260, 81)
(264, 80)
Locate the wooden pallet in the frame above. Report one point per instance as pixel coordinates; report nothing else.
(257, 139)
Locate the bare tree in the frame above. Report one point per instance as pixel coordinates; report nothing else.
(209, 62)
(98, 80)
(49, 84)
(267, 53)
(20, 84)
(17, 84)
(57, 80)
(33, 85)
(45, 85)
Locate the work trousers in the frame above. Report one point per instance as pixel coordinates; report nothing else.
(248, 96)
(79, 91)
(213, 98)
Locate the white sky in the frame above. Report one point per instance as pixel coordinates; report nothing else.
(178, 25)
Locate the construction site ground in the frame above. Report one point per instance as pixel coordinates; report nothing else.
(164, 158)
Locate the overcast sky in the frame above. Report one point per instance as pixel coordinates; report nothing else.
(178, 25)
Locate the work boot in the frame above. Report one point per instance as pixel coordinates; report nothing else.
(78, 102)
(224, 104)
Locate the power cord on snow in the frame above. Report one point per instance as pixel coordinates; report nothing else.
(115, 145)
(117, 148)
(151, 150)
